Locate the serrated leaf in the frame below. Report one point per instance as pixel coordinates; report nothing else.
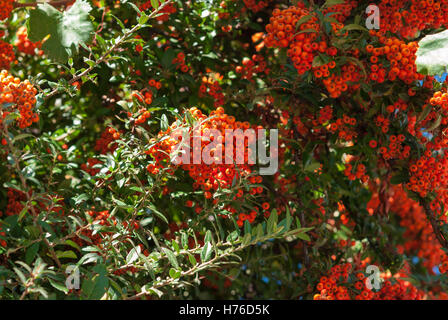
(64, 31)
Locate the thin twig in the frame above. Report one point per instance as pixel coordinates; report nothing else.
(434, 223)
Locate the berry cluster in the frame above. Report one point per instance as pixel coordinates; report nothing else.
(400, 56)
(348, 281)
(2, 241)
(419, 237)
(180, 61)
(340, 11)
(165, 12)
(23, 44)
(106, 143)
(360, 172)
(256, 5)
(337, 84)
(407, 17)
(88, 167)
(155, 84)
(143, 96)
(208, 177)
(14, 205)
(6, 6)
(252, 66)
(212, 88)
(7, 55)
(16, 95)
(344, 127)
(282, 33)
(395, 149)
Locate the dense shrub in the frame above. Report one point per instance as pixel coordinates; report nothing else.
(94, 94)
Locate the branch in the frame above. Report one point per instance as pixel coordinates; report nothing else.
(435, 224)
(301, 213)
(210, 264)
(57, 3)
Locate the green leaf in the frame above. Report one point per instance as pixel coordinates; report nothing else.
(432, 54)
(31, 252)
(330, 3)
(155, 4)
(143, 18)
(272, 221)
(167, 58)
(133, 254)
(303, 236)
(100, 284)
(260, 231)
(21, 136)
(318, 61)
(353, 27)
(435, 124)
(208, 236)
(73, 244)
(399, 178)
(174, 273)
(65, 30)
(175, 246)
(312, 166)
(206, 252)
(58, 286)
(164, 123)
(247, 227)
(302, 20)
(246, 239)
(192, 259)
(424, 113)
(69, 254)
(22, 213)
(171, 257)
(184, 240)
(158, 213)
(288, 219)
